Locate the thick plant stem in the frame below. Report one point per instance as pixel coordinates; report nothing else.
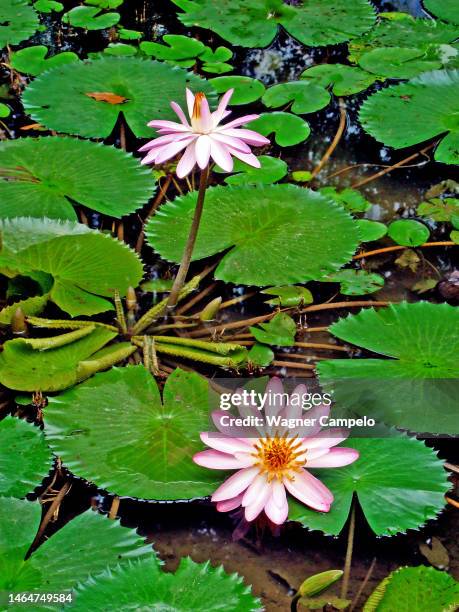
(349, 550)
(186, 258)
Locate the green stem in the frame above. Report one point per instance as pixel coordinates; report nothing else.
(186, 258)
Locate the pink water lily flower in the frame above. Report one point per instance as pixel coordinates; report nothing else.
(203, 137)
(271, 461)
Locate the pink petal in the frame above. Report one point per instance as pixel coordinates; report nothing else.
(162, 140)
(215, 460)
(247, 158)
(235, 484)
(226, 444)
(203, 151)
(249, 136)
(238, 122)
(206, 117)
(254, 490)
(276, 396)
(235, 143)
(327, 438)
(220, 155)
(257, 505)
(229, 504)
(309, 490)
(172, 149)
(278, 493)
(336, 457)
(180, 114)
(276, 514)
(167, 125)
(190, 101)
(217, 116)
(187, 161)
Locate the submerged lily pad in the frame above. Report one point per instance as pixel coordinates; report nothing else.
(25, 458)
(417, 387)
(410, 113)
(254, 23)
(399, 482)
(32, 60)
(279, 233)
(18, 22)
(143, 449)
(84, 547)
(90, 18)
(84, 264)
(351, 199)
(288, 129)
(64, 98)
(42, 177)
(143, 585)
(356, 282)
(435, 591)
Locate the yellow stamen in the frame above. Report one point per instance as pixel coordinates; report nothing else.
(199, 97)
(278, 456)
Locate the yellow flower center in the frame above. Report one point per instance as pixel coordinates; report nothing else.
(199, 97)
(278, 456)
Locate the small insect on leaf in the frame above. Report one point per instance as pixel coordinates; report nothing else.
(106, 96)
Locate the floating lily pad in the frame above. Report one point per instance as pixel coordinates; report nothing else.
(304, 96)
(85, 264)
(288, 129)
(142, 585)
(5, 110)
(408, 232)
(403, 589)
(126, 34)
(371, 230)
(398, 62)
(417, 387)
(260, 355)
(279, 233)
(119, 50)
(48, 6)
(399, 482)
(18, 22)
(351, 199)
(254, 23)
(272, 169)
(288, 296)
(278, 331)
(246, 89)
(356, 282)
(25, 458)
(343, 80)
(410, 113)
(83, 547)
(105, 4)
(29, 364)
(61, 100)
(42, 177)
(177, 48)
(439, 209)
(143, 450)
(90, 18)
(216, 61)
(444, 9)
(31, 60)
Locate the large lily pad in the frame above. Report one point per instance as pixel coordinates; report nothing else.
(444, 9)
(59, 98)
(142, 585)
(415, 589)
(25, 458)
(343, 80)
(254, 23)
(410, 113)
(417, 387)
(114, 430)
(18, 22)
(279, 233)
(85, 264)
(399, 482)
(42, 177)
(304, 96)
(83, 547)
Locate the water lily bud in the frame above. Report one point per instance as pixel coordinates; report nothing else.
(208, 312)
(131, 299)
(319, 582)
(18, 323)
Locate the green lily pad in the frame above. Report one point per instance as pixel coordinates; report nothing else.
(343, 80)
(408, 232)
(407, 114)
(304, 96)
(371, 230)
(126, 34)
(90, 18)
(59, 98)
(18, 22)
(254, 23)
(176, 47)
(120, 50)
(246, 89)
(356, 282)
(44, 176)
(29, 306)
(143, 450)
(395, 494)
(105, 4)
(288, 129)
(70, 358)
(260, 223)
(415, 589)
(84, 547)
(216, 61)
(260, 355)
(398, 62)
(288, 296)
(272, 169)
(417, 387)
(85, 264)
(5, 110)
(444, 9)
(278, 331)
(48, 6)
(351, 199)
(31, 60)
(439, 209)
(142, 585)
(25, 458)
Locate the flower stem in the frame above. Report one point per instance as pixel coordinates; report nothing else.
(349, 550)
(186, 258)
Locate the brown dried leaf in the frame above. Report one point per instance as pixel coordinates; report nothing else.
(436, 554)
(408, 259)
(33, 126)
(106, 96)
